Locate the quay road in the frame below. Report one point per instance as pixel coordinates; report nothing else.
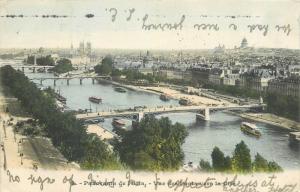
(159, 110)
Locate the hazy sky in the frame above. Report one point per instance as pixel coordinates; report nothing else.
(30, 32)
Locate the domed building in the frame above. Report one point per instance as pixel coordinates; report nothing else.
(244, 43)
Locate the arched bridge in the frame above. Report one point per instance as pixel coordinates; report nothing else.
(202, 112)
(80, 77)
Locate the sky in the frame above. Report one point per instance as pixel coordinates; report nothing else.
(34, 32)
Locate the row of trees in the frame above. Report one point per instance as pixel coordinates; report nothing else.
(233, 90)
(11, 55)
(153, 144)
(286, 106)
(66, 132)
(239, 162)
(106, 66)
(47, 60)
(132, 75)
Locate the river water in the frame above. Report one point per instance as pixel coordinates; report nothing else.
(223, 130)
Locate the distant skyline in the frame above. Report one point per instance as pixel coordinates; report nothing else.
(35, 32)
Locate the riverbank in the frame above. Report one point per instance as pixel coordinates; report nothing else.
(194, 99)
(271, 119)
(174, 94)
(101, 132)
(130, 87)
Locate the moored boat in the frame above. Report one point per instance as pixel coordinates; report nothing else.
(118, 123)
(95, 99)
(60, 98)
(120, 89)
(294, 138)
(184, 101)
(164, 97)
(250, 128)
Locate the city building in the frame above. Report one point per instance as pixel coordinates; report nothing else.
(216, 76)
(175, 74)
(231, 78)
(81, 48)
(294, 70)
(88, 50)
(257, 79)
(289, 86)
(200, 73)
(244, 43)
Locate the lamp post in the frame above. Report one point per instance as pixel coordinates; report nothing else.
(15, 136)
(4, 129)
(4, 156)
(19, 145)
(21, 155)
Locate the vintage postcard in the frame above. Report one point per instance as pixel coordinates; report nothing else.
(150, 95)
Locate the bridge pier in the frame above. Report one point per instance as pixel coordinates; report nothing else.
(68, 81)
(41, 82)
(136, 119)
(93, 80)
(33, 69)
(80, 80)
(204, 115)
(54, 82)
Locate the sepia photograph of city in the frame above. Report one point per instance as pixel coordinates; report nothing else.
(162, 86)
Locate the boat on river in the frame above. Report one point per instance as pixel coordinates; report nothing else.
(60, 98)
(120, 89)
(164, 97)
(250, 128)
(184, 101)
(95, 99)
(294, 138)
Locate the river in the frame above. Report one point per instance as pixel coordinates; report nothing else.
(223, 130)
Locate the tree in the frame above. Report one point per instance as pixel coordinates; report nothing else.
(106, 66)
(260, 164)
(227, 164)
(63, 66)
(274, 167)
(143, 161)
(64, 61)
(205, 165)
(47, 60)
(241, 160)
(218, 159)
(98, 156)
(116, 73)
(156, 141)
